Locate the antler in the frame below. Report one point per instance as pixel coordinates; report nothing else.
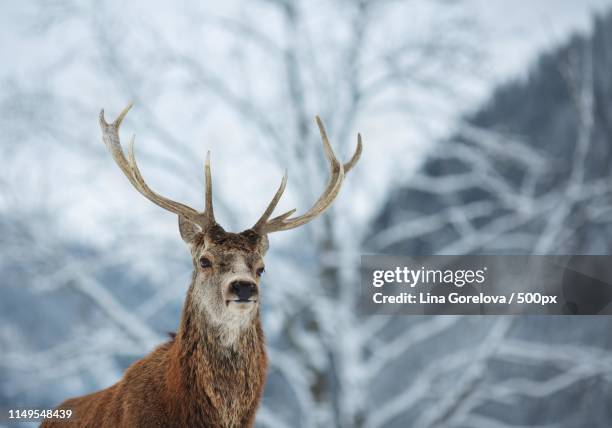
(337, 171)
(110, 135)
(265, 225)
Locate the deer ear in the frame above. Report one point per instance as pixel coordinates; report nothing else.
(189, 230)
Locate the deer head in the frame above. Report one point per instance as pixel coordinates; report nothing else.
(227, 266)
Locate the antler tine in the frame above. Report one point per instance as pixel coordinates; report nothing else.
(110, 135)
(337, 173)
(208, 203)
(351, 163)
(272, 205)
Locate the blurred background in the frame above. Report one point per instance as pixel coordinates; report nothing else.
(487, 128)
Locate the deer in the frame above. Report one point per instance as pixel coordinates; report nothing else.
(211, 372)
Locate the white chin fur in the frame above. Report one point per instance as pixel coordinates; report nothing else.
(236, 318)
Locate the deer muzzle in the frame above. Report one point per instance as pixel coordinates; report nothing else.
(242, 292)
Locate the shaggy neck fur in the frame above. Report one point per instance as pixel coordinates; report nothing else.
(217, 383)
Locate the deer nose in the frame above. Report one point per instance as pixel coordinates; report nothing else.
(243, 289)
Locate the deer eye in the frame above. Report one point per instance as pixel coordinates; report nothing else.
(260, 271)
(205, 262)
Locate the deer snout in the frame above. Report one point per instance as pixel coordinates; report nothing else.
(243, 290)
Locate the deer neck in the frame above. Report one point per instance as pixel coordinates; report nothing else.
(226, 379)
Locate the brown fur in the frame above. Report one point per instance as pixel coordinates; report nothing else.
(191, 381)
